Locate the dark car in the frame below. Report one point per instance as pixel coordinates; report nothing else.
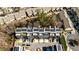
(71, 44)
(16, 49)
(11, 49)
(47, 48)
(27, 44)
(55, 49)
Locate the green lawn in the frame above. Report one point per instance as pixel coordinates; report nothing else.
(63, 42)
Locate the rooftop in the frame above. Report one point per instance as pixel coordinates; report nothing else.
(38, 30)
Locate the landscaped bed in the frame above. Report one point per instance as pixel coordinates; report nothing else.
(63, 42)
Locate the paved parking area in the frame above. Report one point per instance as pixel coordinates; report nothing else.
(34, 46)
(40, 45)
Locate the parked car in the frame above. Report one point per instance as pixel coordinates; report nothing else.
(49, 48)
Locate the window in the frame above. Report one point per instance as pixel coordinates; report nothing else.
(18, 29)
(47, 29)
(35, 29)
(52, 29)
(41, 30)
(29, 30)
(57, 29)
(23, 29)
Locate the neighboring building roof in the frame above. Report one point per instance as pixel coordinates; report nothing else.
(65, 20)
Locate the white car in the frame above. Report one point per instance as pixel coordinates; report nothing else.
(57, 34)
(51, 34)
(35, 41)
(41, 40)
(46, 40)
(35, 34)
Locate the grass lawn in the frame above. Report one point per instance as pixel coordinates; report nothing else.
(63, 42)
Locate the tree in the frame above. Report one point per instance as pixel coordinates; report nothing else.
(32, 13)
(50, 10)
(0, 26)
(3, 12)
(26, 14)
(14, 17)
(42, 18)
(4, 22)
(13, 40)
(16, 9)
